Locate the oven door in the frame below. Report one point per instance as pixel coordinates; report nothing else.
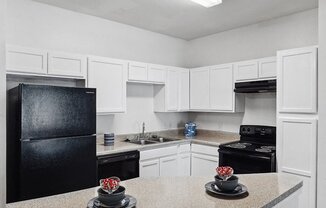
(123, 165)
(243, 163)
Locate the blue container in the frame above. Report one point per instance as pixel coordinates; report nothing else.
(190, 129)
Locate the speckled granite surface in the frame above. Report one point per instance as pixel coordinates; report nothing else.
(265, 190)
(213, 138)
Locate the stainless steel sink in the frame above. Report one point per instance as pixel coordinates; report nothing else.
(142, 142)
(162, 139)
(150, 140)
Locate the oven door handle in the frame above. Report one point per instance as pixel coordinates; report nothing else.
(244, 155)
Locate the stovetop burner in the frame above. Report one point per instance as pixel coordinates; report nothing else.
(263, 150)
(237, 146)
(269, 147)
(249, 147)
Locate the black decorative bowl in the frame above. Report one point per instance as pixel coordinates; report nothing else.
(228, 185)
(111, 199)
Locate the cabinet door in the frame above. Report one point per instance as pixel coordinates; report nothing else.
(297, 153)
(246, 70)
(203, 165)
(221, 88)
(172, 84)
(199, 88)
(169, 166)
(108, 76)
(137, 71)
(65, 64)
(149, 168)
(184, 90)
(267, 67)
(297, 80)
(156, 73)
(184, 160)
(26, 60)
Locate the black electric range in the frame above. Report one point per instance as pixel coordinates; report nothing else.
(254, 153)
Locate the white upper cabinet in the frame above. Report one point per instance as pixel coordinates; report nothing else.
(26, 60)
(67, 64)
(221, 87)
(212, 90)
(137, 71)
(246, 70)
(174, 95)
(297, 80)
(199, 88)
(109, 77)
(146, 73)
(156, 73)
(184, 89)
(258, 69)
(267, 67)
(172, 84)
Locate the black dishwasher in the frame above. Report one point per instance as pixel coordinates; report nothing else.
(123, 165)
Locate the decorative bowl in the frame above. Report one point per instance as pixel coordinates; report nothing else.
(227, 185)
(111, 199)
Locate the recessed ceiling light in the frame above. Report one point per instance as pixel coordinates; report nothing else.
(208, 3)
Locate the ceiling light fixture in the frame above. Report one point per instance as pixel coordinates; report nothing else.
(208, 3)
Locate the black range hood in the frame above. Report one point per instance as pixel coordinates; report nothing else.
(256, 86)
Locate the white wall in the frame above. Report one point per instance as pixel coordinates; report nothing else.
(250, 42)
(140, 109)
(39, 25)
(2, 106)
(321, 176)
(260, 109)
(255, 41)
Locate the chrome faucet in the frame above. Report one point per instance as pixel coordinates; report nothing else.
(143, 131)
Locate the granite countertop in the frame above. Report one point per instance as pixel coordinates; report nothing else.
(207, 137)
(265, 190)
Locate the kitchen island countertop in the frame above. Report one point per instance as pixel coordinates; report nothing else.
(265, 190)
(206, 137)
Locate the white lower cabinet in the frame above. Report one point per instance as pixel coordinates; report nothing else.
(149, 168)
(184, 164)
(165, 161)
(203, 165)
(168, 165)
(204, 160)
(297, 153)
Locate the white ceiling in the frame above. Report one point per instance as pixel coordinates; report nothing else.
(184, 18)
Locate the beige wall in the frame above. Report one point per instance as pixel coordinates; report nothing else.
(2, 106)
(321, 177)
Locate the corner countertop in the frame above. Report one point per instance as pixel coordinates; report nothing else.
(206, 137)
(265, 190)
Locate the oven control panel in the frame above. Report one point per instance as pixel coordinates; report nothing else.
(257, 131)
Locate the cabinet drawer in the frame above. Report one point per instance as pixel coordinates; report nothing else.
(157, 153)
(137, 71)
(203, 149)
(184, 148)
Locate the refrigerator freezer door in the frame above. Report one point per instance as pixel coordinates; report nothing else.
(52, 112)
(57, 166)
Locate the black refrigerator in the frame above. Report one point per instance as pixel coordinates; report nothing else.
(51, 142)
